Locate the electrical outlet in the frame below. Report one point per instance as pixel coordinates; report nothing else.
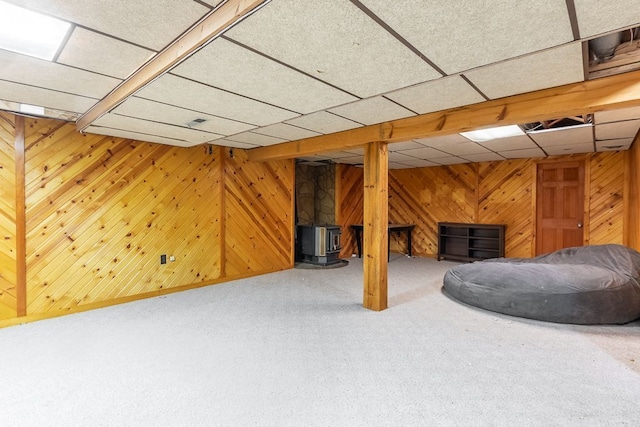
(172, 258)
(163, 259)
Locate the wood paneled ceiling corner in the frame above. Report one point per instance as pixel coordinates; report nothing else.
(299, 78)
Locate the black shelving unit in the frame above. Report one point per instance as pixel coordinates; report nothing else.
(470, 242)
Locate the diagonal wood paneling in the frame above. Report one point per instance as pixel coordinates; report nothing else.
(606, 203)
(426, 196)
(349, 205)
(7, 218)
(101, 211)
(259, 217)
(505, 196)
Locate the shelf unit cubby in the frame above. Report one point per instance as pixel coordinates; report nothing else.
(470, 242)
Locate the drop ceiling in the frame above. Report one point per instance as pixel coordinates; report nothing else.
(297, 69)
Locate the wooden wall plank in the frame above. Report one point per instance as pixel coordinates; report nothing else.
(349, 205)
(8, 297)
(101, 211)
(21, 238)
(606, 204)
(633, 204)
(505, 197)
(259, 218)
(426, 196)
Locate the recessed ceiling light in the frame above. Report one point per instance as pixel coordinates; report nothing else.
(32, 109)
(484, 135)
(30, 33)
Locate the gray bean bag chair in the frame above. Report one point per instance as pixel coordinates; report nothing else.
(583, 285)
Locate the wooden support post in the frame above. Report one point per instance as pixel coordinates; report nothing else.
(376, 214)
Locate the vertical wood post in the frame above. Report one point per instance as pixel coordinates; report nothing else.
(376, 220)
(21, 225)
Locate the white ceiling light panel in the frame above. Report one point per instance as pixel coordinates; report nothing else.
(464, 34)
(336, 42)
(150, 23)
(30, 33)
(513, 143)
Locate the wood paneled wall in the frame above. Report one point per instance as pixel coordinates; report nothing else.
(259, 214)
(7, 217)
(101, 210)
(491, 192)
(349, 204)
(606, 188)
(632, 216)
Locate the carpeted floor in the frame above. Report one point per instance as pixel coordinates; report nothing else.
(296, 348)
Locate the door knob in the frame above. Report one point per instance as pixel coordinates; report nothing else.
(579, 225)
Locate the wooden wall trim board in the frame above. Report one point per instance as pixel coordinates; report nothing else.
(8, 261)
(221, 153)
(633, 203)
(602, 94)
(626, 197)
(21, 236)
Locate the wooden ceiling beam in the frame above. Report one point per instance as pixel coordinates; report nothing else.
(607, 93)
(210, 26)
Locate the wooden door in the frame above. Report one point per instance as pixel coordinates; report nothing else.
(560, 206)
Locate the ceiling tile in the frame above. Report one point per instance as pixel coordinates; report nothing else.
(155, 111)
(557, 150)
(512, 143)
(150, 23)
(463, 34)
(523, 154)
(212, 3)
(617, 115)
(43, 97)
(358, 151)
(417, 163)
(335, 41)
(234, 144)
(453, 160)
(255, 138)
(372, 111)
(550, 68)
(484, 157)
(336, 154)
(405, 145)
(355, 160)
(426, 153)
(614, 144)
(399, 157)
(89, 50)
(285, 131)
(436, 95)
(617, 130)
(49, 75)
(441, 142)
(136, 136)
(132, 124)
(226, 65)
(563, 136)
(597, 17)
(465, 148)
(323, 122)
(185, 93)
(394, 165)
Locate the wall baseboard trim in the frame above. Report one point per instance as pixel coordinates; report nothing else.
(102, 304)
